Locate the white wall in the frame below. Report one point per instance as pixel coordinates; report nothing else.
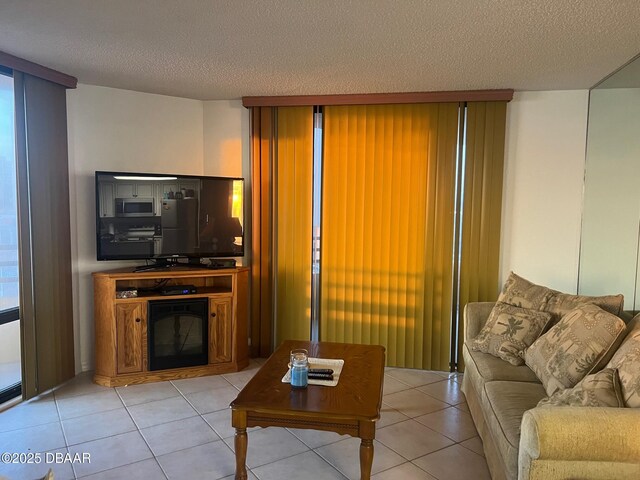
(543, 181)
(120, 130)
(227, 152)
(226, 139)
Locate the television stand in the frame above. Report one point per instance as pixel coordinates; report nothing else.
(123, 326)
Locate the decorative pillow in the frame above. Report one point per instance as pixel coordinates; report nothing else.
(509, 331)
(627, 361)
(562, 303)
(600, 389)
(584, 339)
(522, 293)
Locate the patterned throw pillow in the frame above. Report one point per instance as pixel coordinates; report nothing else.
(522, 293)
(600, 389)
(570, 350)
(562, 303)
(509, 331)
(627, 361)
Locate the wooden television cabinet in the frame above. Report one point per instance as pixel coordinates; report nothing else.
(121, 323)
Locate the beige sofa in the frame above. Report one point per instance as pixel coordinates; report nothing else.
(524, 442)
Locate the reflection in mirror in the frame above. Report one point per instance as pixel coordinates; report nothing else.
(610, 242)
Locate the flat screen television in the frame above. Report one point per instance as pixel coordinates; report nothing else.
(150, 216)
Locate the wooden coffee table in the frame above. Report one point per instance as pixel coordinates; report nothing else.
(352, 407)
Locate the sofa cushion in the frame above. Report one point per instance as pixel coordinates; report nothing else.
(584, 339)
(507, 402)
(525, 294)
(600, 389)
(509, 331)
(481, 368)
(627, 361)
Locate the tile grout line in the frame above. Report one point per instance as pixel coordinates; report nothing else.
(460, 443)
(336, 467)
(64, 433)
(330, 464)
(319, 446)
(407, 461)
(201, 416)
(120, 466)
(153, 455)
(269, 463)
(109, 436)
(417, 388)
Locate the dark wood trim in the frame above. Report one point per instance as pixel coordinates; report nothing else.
(381, 98)
(46, 73)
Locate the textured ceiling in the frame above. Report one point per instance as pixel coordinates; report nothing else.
(226, 49)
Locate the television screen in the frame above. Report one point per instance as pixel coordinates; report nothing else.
(148, 216)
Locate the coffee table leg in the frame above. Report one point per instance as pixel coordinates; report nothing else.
(240, 443)
(366, 458)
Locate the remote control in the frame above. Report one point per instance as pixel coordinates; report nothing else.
(320, 376)
(326, 371)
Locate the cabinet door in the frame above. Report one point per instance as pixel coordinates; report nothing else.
(132, 190)
(107, 199)
(130, 324)
(125, 190)
(220, 330)
(144, 190)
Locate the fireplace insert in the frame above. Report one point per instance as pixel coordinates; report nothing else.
(178, 333)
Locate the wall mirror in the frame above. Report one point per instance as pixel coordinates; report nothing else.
(610, 242)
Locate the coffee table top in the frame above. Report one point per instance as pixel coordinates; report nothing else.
(358, 394)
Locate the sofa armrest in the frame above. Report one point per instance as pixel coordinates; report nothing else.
(475, 316)
(579, 442)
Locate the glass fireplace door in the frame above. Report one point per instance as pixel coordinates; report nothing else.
(177, 331)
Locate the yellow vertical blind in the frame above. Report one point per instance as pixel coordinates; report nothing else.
(293, 216)
(387, 229)
(482, 206)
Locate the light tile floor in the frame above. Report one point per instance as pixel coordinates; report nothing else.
(182, 430)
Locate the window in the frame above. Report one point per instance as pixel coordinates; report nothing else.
(10, 362)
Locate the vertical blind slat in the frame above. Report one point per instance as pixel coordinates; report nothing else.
(293, 230)
(479, 262)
